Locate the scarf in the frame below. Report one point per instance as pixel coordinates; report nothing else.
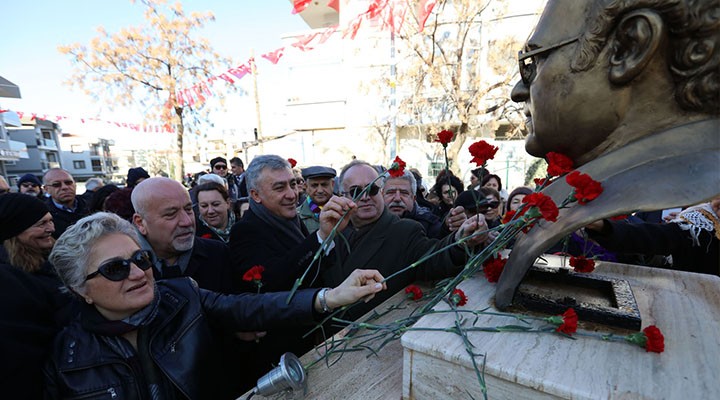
(290, 227)
(224, 234)
(697, 219)
(314, 208)
(93, 321)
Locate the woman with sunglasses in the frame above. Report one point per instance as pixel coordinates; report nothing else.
(32, 307)
(141, 339)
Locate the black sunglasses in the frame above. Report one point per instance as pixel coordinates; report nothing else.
(354, 191)
(489, 206)
(118, 270)
(220, 166)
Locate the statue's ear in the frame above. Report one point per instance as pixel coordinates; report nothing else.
(636, 39)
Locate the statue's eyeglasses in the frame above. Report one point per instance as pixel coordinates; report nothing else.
(526, 60)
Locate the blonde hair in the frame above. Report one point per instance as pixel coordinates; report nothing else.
(27, 258)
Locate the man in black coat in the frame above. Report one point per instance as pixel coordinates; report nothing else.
(271, 235)
(65, 206)
(379, 238)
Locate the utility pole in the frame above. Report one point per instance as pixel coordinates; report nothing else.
(258, 130)
(394, 140)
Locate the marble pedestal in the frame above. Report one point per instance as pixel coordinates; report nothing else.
(685, 306)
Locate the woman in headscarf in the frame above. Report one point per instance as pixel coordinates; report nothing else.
(142, 339)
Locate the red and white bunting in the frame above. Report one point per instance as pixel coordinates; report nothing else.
(274, 56)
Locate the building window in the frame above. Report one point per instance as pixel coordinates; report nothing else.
(79, 164)
(96, 165)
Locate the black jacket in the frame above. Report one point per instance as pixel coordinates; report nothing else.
(64, 219)
(89, 365)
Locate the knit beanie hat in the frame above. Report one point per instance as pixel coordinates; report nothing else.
(134, 174)
(217, 160)
(19, 212)
(28, 178)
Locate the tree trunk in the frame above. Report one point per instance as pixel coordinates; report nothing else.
(179, 170)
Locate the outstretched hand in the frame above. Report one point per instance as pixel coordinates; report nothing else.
(332, 212)
(361, 284)
(476, 223)
(455, 218)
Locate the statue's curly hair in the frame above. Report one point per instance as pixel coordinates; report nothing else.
(694, 56)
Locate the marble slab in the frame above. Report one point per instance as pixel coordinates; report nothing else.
(685, 306)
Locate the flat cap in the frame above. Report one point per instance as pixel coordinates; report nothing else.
(318, 172)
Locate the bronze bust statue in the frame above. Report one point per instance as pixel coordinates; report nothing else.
(630, 90)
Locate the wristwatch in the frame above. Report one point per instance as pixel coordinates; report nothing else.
(323, 300)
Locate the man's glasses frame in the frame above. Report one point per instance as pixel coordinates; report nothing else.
(219, 166)
(529, 69)
(119, 270)
(355, 192)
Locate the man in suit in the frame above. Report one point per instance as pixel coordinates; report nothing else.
(629, 91)
(271, 235)
(65, 206)
(380, 238)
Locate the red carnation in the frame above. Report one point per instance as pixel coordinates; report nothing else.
(582, 264)
(493, 268)
(650, 338)
(254, 274)
(558, 164)
(570, 321)
(586, 189)
(481, 152)
(508, 216)
(545, 205)
(207, 236)
(458, 297)
(655, 339)
(414, 292)
(619, 217)
(397, 169)
(444, 137)
(542, 182)
(292, 162)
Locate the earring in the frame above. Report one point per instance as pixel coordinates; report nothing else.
(88, 300)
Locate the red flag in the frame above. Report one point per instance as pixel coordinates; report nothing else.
(179, 98)
(426, 7)
(376, 8)
(226, 77)
(274, 56)
(303, 41)
(240, 71)
(300, 6)
(20, 114)
(334, 4)
(325, 35)
(353, 28)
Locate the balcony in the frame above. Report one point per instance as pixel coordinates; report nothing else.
(47, 144)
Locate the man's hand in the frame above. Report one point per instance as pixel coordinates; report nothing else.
(332, 212)
(361, 284)
(455, 218)
(476, 223)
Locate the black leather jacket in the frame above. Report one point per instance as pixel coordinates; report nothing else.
(86, 365)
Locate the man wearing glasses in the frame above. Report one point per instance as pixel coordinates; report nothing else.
(629, 91)
(65, 206)
(29, 184)
(380, 238)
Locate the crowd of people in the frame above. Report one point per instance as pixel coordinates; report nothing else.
(130, 291)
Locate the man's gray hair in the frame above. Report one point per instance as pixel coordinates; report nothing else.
(408, 176)
(261, 163)
(352, 164)
(70, 254)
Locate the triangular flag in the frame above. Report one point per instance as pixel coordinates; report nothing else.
(426, 7)
(274, 56)
(240, 71)
(226, 77)
(353, 28)
(300, 6)
(325, 35)
(334, 4)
